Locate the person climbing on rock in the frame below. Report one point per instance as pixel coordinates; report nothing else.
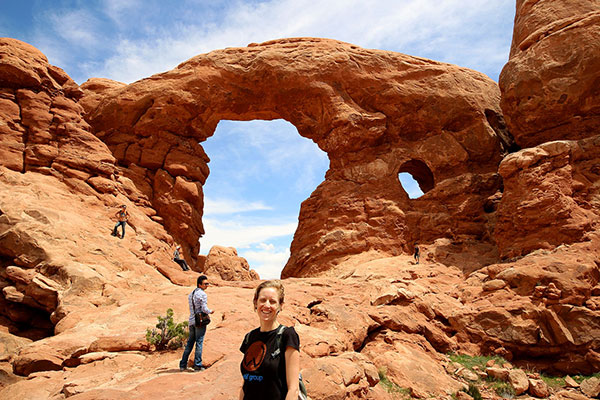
(122, 216)
(177, 258)
(417, 254)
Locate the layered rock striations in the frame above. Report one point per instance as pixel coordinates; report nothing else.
(43, 128)
(550, 83)
(551, 92)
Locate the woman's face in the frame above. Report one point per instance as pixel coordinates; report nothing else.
(267, 304)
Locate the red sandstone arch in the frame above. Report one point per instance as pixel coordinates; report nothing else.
(371, 111)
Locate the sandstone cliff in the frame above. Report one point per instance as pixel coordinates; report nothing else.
(508, 224)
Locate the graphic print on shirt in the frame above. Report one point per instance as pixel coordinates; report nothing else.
(254, 356)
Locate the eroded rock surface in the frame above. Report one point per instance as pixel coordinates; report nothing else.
(550, 83)
(550, 92)
(375, 113)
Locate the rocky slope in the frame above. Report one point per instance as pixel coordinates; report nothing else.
(508, 225)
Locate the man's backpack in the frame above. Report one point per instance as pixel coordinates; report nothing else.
(302, 395)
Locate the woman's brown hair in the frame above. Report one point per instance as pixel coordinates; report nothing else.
(275, 283)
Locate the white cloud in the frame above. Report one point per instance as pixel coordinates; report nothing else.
(241, 233)
(268, 262)
(275, 149)
(229, 206)
(78, 27)
(408, 26)
(266, 246)
(120, 11)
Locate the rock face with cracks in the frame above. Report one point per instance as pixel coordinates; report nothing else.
(550, 85)
(509, 242)
(551, 92)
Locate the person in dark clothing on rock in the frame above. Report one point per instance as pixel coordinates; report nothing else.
(177, 258)
(417, 254)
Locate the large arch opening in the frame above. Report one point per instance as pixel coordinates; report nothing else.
(416, 178)
(260, 172)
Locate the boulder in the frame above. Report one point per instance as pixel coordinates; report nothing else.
(570, 382)
(538, 388)
(590, 387)
(518, 380)
(498, 373)
(558, 179)
(226, 264)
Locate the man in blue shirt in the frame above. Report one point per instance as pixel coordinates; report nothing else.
(197, 301)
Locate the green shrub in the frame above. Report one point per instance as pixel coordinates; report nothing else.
(474, 392)
(581, 378)
(555, 382)
(167, 334)
(503, 389)
(475, 361)
(391, 387)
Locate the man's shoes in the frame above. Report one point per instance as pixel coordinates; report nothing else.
(199, 369)
(182, 369)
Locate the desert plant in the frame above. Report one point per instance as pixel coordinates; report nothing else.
(167, 334)
(474, 392)
(474, 361)
(581, 378)
(391, 387)
(555, 382)
(503, 389)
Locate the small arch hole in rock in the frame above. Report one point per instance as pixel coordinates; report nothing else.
(416, 178)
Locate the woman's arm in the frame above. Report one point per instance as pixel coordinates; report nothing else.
(241, 393)
(292, 372)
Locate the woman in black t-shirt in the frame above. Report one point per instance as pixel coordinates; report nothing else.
(271, 363)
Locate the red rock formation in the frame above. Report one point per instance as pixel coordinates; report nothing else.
(550, 84)
(550, 196)
(44, 128)
(225, 263)
(549, 93)
(375, 113)
(91, 296)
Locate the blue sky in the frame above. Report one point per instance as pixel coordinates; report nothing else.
(260, 170)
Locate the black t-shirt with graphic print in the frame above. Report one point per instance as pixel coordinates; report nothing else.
(262, 370)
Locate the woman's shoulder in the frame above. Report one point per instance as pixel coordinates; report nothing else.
(289, 330)
(253, 332)
(290, 334)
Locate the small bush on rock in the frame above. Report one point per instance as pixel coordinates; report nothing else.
(503, 389)
(473, 391)
(167, 334)
(475, 361)
(391, 387)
